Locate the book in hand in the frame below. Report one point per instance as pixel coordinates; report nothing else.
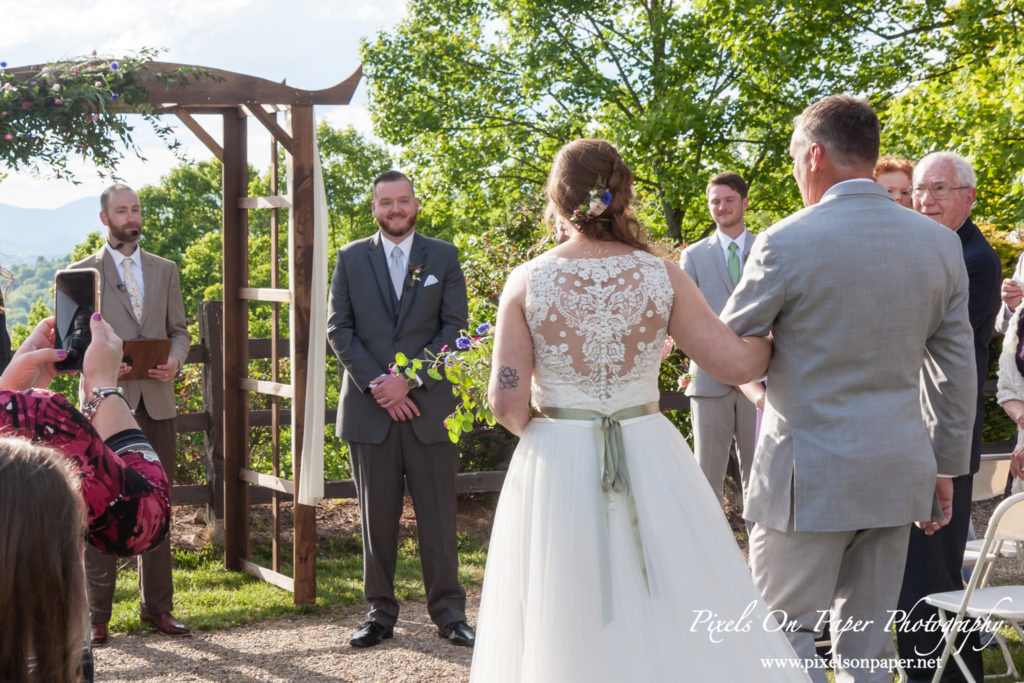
(142, 355)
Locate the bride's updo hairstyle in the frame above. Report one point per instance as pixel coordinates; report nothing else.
(581, 167)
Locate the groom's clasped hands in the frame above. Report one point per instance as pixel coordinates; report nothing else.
(392, 394)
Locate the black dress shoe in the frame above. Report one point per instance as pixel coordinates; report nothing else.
(371, 634)
(458, 633)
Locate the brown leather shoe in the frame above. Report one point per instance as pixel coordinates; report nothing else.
(100, 637)
(167, 625)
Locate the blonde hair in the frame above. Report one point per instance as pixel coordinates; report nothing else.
(44, 620)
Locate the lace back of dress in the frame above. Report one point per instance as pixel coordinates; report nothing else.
(598, 328)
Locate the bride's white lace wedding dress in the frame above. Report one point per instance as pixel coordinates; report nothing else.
(600, 570)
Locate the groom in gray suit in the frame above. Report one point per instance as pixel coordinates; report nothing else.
(871, 388)
(721, 415)
(399, 291)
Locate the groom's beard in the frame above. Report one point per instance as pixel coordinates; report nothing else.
(398, 225)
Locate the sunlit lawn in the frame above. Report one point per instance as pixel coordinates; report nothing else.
(206, 596)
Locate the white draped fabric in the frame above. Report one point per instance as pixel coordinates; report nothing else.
(311, 473)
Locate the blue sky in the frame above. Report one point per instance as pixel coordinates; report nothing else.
(312, 44)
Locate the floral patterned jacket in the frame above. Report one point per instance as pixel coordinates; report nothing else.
(126, 492)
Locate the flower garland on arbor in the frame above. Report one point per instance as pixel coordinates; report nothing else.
(77, 107)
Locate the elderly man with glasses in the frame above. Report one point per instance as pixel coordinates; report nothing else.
(944, 190)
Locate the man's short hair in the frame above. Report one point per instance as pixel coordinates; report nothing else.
(846, 126)
(963, 168)
(390, 177)
(733, 180)
(893, 165)
(105, 197)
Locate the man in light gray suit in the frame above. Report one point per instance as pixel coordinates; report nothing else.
(721, 415)
(399, 291)
(867, 305)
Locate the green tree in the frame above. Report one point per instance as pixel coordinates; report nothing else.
(482, 93)
(350, 163)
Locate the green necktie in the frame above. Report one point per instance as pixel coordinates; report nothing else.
(734, 263)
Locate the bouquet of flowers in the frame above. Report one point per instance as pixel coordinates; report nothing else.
(468, 368)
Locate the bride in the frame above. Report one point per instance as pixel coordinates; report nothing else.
(610, 558)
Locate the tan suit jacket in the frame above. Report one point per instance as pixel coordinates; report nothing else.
(163, 316)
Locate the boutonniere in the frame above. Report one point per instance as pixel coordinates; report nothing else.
(415, 273)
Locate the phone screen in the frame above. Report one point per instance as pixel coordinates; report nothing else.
(75, 301)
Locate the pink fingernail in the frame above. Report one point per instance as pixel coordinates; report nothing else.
(96, 316)
(62, 354)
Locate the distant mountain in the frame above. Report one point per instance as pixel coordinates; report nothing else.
(26, 234)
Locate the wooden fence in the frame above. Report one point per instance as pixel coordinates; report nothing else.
(208, 352)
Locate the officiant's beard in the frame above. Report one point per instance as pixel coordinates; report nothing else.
(397, 227)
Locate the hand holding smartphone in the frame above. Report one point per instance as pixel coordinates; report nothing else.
(76, 299)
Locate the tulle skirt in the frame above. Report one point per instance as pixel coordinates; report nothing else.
(566, 596)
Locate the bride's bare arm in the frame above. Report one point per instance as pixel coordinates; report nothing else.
(708, 341)
(512, 362)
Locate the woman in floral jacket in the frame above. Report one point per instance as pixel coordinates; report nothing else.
(124, 495)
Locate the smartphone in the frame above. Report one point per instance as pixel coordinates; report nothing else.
(76, 299)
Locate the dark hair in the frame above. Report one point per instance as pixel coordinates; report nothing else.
(733, 180)
(891, 165)
(847, 127)
(43, 622)
(105, 197)
(390, 177)
(582, 166)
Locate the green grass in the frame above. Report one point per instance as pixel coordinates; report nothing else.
(208, 597)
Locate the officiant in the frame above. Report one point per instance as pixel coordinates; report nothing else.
(141, 299)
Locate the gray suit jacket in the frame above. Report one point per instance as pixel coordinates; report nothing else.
(365, 330)
(163, 316)
(871, 384)
(704, 262)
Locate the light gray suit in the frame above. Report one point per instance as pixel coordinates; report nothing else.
(719, 412)
(867, 303)
(367, 324)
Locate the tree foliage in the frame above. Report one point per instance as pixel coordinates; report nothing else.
(482, 93)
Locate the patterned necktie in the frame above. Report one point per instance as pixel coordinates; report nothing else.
(734, 263)
(134, 291)
(397, 271)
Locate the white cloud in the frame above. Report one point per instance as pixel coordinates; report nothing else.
(312, 44)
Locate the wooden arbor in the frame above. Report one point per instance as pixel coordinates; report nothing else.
(235, 97)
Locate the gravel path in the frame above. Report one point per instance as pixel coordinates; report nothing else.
(293, 649)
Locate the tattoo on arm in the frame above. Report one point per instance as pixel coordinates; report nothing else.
(508, 378)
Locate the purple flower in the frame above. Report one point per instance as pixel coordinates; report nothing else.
(3, 65)
(113, 98)
(463, 343)
(606, 198)
(482, 328)
(449, 360)
(114, 66)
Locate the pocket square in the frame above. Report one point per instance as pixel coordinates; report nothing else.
(431, 280)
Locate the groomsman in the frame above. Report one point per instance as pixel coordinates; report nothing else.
(867, 305)
(721, 415)
(944, 190)
(400, 291)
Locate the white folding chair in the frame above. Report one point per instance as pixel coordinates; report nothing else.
(989, 482)
(1004, 603)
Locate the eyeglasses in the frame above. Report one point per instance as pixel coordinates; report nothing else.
(939, 191)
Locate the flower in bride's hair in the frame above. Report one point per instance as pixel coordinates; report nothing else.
(598, 200)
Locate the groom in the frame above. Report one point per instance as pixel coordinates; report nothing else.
(867, 304)
(399, 291)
